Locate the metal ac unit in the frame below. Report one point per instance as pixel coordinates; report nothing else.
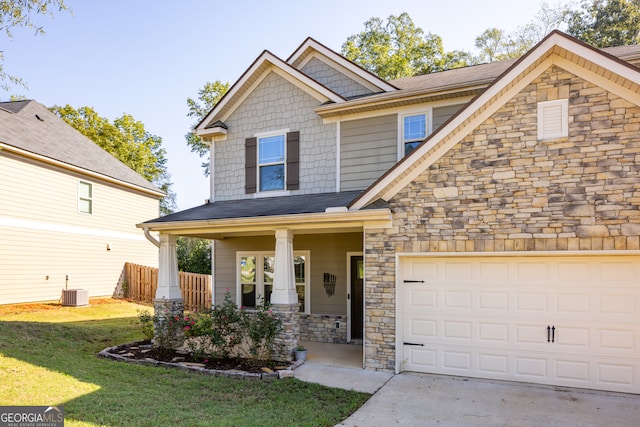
(75, 297)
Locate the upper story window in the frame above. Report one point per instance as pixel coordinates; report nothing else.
(414, 131)
(85, 197)
(272, 162)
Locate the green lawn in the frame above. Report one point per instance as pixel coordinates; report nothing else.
(48, 357)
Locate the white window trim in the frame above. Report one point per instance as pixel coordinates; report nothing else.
(428, 112)
(270, 193)
(80, 182)
(260, 279)
(563, 132)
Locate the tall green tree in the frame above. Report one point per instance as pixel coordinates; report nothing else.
(398, 48)
(21, 13)
(605, 23)
(127, 140)
(194, 255)
(208, 97)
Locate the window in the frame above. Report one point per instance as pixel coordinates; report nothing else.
(271, 162)
(553, 119)
(414, 131)
(256, 272)
(85, 197)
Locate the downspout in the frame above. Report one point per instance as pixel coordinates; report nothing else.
(150, 238)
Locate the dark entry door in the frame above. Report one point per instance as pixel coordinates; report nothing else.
(356, 296)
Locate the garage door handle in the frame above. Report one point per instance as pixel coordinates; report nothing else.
(413, 343)
(548, 333)
(551, 333)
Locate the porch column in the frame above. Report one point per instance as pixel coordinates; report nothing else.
(168, 301)
(168, 283)
(284, 281)
(284, 298)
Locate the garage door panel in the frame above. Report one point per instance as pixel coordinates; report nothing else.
(493, 300)
(488, 317)
(532, 302)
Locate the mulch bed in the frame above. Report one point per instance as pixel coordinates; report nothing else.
(143, 350)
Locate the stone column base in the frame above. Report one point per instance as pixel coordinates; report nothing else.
(166, 332)
(287, 339)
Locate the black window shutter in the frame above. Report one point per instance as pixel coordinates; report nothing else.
(250, 174)
(293, 160)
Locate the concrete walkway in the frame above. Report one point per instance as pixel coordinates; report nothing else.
(411, 399)
(429, 400)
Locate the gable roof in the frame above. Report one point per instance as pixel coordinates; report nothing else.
(311, 48)
(577, 57)
(264, 64)
(29, 129)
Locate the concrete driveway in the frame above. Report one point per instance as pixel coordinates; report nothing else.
(411, 399)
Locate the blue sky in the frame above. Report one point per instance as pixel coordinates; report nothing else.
(146, 57)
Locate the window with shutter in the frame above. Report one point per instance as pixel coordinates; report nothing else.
(272, 162)
(553, 119)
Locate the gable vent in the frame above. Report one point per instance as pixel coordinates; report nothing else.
(553, 119)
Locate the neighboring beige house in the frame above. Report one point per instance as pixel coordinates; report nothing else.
(68, 209)
(481, 222)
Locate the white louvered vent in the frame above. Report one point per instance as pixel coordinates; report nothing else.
(553, 119)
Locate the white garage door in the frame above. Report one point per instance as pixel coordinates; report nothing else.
(562, 320)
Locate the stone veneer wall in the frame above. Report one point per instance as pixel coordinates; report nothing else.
(287, 340)
(502, 190)
(322, 328)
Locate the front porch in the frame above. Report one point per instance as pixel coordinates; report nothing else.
(302, 254)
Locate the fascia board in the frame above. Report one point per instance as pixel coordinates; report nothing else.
(79, 170)
(372, 217)
(267, 59)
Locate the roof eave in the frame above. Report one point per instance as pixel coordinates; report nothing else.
(300, 222)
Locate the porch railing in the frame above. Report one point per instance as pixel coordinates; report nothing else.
(142, 283)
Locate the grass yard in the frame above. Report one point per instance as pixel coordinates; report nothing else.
(48, 357)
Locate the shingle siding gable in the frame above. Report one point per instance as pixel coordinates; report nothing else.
(277, 104)
(333, 79)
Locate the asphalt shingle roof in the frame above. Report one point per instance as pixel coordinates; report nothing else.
(267, 206)
(30, 126)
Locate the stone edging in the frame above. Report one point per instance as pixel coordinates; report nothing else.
(186, 366)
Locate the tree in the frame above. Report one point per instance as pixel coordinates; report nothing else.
(21, 13)
(128, 141)
(495, 44)
(605, 23)
(208, 97)
(194, 255)
(398, 48)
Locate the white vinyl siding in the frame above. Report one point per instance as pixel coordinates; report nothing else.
(44, 238)
(553, 119)
(368, 148)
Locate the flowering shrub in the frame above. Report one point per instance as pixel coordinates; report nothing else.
(224, 331)
(166, 331)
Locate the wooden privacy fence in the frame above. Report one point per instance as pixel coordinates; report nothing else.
(143, 281)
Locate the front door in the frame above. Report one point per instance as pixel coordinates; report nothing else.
(356, 296)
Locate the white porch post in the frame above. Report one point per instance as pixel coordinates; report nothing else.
(284, 281)
(168, 302)
(168, 283)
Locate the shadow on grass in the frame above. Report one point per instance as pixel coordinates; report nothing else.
(105, 392)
